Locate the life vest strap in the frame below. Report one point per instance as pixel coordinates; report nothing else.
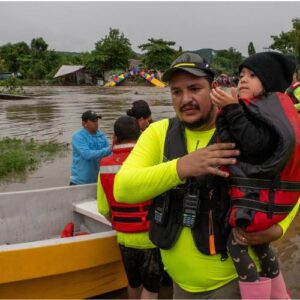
(127, 219)
(262, 206)
(130, 208)
(264, 184)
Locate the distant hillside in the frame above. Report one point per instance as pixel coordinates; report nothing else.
(206, 53)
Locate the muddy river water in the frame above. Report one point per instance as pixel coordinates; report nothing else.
(54, 114)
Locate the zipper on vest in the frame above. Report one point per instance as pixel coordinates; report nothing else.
(212, 248)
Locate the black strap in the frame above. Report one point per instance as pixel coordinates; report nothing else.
(264, 184)
(129, 208)
(127, 220)
(262, 206)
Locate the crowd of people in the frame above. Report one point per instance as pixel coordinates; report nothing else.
(202, 195)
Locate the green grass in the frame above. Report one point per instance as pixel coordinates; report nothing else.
(20, 156)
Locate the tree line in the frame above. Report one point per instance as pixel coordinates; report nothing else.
(112, 52)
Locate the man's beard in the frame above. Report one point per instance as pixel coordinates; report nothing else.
(200, 122)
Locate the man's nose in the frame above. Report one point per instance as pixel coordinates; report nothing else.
(186, 97)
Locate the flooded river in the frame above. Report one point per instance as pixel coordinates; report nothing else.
(55, 113)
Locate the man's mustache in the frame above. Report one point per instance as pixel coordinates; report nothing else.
(189, 106)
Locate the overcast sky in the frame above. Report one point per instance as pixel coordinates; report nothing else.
(76, 26)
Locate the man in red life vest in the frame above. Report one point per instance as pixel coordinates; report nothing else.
(140, 256)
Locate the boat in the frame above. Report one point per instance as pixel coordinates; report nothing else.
(13, 97)
(37, 263)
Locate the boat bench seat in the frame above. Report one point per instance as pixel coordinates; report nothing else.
(89, 208)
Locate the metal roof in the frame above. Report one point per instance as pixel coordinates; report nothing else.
(65, 70)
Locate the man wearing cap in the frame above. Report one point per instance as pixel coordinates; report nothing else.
(89, 146)
(176, 162)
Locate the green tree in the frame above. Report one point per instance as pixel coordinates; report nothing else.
(111, 52)
(288, 42)
(159, 53)
(251, 49)
(37, 70)
(35, 62)
(227, 61)
(12, 55)
(38, 47)
(94, 63)
(2, 65)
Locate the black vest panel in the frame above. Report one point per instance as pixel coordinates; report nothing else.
(166, 213)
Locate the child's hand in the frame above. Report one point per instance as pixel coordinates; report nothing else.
(221, 98)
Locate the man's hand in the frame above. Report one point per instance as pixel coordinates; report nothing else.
(207, 161)
(221, 98)
(256, 238)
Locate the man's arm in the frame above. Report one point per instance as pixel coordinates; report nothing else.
(102, 203)
(80, 144)
(266, 236)
(144, 175)
(207, 161)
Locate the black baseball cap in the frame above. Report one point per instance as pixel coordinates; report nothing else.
(192, 63)
(90, 115)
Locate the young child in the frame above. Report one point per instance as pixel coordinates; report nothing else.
(265, 182)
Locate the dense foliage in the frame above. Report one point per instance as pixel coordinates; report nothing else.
(289, 42)
(111, 52)
(159, 53)
(37, 62)
(227, 61)
(34, 62)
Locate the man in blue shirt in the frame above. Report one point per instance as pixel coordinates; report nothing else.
(89, 146)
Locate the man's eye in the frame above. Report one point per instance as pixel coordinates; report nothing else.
(195, 89)
(175, 92)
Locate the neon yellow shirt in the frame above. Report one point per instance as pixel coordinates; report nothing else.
(144, 175)
(133, 240)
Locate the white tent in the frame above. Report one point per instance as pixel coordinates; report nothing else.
(65, 70)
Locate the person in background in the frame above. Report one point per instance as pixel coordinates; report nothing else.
(89, 145)
(294, 89)
(262, 121)
(141, 111)
(140, 256)
(176, 161)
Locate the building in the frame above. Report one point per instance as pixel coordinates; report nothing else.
(73, 75)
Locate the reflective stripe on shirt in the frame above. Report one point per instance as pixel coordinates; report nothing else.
(122, 146)
(110, 169)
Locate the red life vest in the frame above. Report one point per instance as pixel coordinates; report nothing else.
(272, 188)
(125, 217)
